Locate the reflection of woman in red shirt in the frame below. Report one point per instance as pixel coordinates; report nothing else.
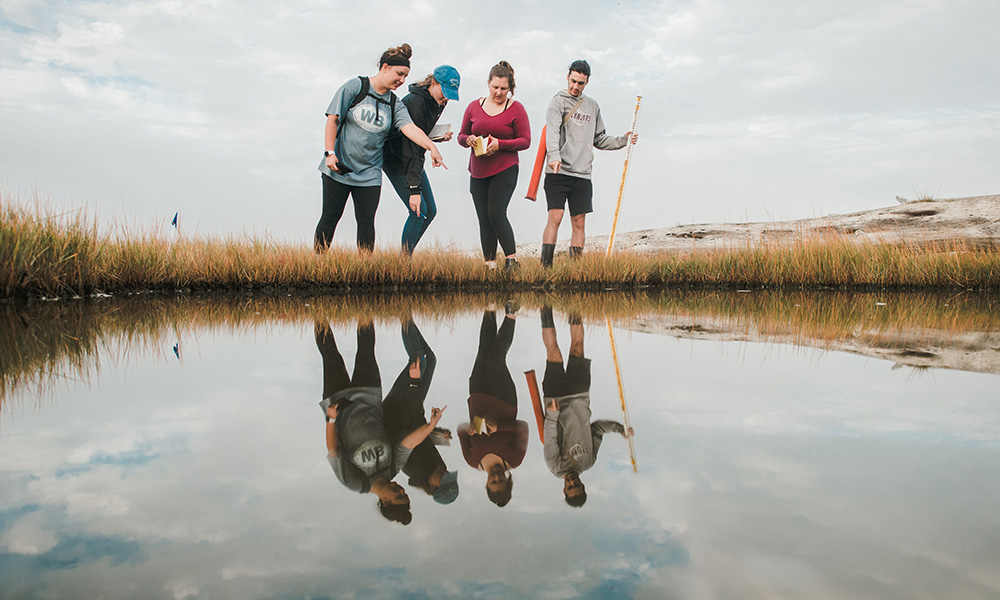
(502, 123)
(501, 444)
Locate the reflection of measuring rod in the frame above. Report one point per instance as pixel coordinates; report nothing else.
(621, 188)
(621, 394)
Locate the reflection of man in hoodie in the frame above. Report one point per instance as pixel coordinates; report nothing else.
(573, 128)
(571, 440)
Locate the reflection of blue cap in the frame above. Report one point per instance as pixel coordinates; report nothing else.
(448, 490)
(449, 79)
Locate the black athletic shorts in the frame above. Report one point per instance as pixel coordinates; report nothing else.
(561, 188)
(575, 379)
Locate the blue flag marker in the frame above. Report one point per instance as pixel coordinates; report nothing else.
(174, 222)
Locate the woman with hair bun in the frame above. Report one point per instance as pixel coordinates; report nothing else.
(362, 114)
(496, 127)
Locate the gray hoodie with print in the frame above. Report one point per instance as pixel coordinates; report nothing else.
(572, 143)
(571, 440)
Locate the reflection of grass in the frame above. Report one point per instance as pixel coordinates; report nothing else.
(48, 342)
(45, 254)
(45, 343)
(825, 315)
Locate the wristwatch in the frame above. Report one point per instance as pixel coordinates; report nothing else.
(327, 152)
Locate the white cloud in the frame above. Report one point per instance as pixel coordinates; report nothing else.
(29, 535)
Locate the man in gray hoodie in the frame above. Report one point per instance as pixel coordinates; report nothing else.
(571, 441)
(573, 128)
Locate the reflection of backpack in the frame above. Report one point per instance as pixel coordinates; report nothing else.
(366, 91)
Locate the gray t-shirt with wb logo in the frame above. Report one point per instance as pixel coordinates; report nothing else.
(364, 451)
(360, 142)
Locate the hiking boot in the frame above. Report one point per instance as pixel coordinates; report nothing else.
(511, 266)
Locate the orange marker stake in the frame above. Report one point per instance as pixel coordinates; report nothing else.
(536, 173)
(536, 402)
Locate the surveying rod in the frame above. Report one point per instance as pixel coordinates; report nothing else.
(621, 188)
(621, 394)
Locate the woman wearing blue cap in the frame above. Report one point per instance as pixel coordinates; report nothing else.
(403, 162)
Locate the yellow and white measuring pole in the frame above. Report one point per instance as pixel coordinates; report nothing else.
(621, 395)
(621, 187)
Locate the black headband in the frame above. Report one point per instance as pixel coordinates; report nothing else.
(396, 61)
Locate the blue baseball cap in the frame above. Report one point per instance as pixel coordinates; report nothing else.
(449, 79)
(448, 490)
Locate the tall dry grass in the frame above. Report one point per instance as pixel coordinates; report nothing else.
(42, 253)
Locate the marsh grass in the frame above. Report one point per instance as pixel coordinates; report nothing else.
(49, 254)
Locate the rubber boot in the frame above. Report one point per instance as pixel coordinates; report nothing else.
(546, 315)
(575, 252)
(548, 252)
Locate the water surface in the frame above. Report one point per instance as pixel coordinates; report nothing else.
(185, 457)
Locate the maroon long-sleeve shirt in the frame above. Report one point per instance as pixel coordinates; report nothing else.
(510, 128)
(509, 442)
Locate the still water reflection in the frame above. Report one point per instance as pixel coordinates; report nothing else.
(775, 457)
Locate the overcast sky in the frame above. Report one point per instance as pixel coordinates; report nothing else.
(761, 111)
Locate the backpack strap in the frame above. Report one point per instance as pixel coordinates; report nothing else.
(366, 91)
(365, 87)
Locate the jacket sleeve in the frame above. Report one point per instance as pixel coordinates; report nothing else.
(553, 127)
(603, 141)
(465, 441)
(599, 428)
(466, 130)
(551, 445)
(413, 155)
(519, 441)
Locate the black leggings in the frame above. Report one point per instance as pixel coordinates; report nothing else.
(335, 377)
(335, 200)
(491, 195)
(490, 374)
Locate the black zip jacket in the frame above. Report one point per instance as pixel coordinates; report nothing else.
(401, 155)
